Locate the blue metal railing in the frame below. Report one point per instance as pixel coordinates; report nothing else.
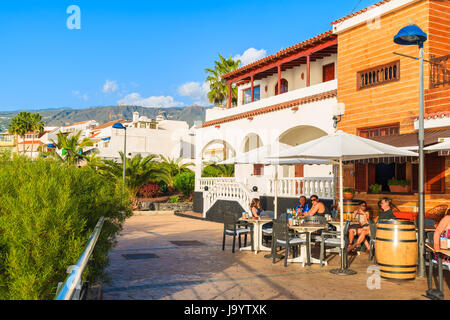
(71, 288)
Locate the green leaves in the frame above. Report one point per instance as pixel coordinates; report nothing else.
(218, 170)
(47, 212)
(73, 146)
(218, 88)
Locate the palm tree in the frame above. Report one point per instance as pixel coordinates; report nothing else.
(221, 170)
(36, 125)
(20, 125)
(171, 168)
(73, 148)
(138, 172)
(218, 88)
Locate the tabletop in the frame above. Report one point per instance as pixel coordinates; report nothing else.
(256, 220)
(312, 226)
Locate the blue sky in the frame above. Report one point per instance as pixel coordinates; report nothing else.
(145, 52)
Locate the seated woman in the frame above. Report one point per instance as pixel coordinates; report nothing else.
(317, 209)
(255, 207)
(303, 206)
(361, 228)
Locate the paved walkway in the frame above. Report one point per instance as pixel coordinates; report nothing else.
(147, 265)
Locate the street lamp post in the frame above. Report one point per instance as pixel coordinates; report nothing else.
(413, 35)
(120, 126)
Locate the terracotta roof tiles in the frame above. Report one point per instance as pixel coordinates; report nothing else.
(351, 15)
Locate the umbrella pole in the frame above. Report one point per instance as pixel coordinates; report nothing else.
(275, 215)
(344, 271)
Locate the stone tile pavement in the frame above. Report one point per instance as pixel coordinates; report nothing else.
(205, 272)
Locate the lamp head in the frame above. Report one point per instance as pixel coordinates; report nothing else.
(410, 35)
(118, 125)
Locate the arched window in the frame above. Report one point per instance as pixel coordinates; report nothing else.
(284, 86)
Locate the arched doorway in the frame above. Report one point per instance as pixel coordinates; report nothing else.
(217, 150)
(296, 136)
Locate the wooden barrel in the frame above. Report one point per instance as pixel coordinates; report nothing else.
(349, 207)
(396, 249)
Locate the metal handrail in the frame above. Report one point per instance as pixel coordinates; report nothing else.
(73, 281)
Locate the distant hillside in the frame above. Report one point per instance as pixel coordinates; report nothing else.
(61, 117)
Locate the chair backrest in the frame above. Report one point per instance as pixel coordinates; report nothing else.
(229, 221)
(280, 230)
(315, 220)
(372, 229)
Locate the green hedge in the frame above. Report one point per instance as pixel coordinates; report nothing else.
(185, 183)
(47, 212)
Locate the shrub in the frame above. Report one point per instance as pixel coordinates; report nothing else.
(375, 188)
(47, 212)
(150, 190)
(395, 182)
(163, 187)
(174, 199)
(185, 183)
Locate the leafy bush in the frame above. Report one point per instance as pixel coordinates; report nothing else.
(47, 212)
(174, 199)
(375, 188)
(150, 190)
(349, 190)
(163, 187)
(395, 182)
(218, 170)
(185, 183)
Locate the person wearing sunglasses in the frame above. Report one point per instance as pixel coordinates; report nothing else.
(317, 209)
(362, 216)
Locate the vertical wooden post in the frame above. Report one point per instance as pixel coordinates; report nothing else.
(279, 79)
(308, 70)
(229, 96)
(253, 88)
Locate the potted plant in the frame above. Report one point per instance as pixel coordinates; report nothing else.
(375, 188)
(401, 186)
(348, 194)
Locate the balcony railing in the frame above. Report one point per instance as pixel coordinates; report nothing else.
(216, 113)
(440, 74)
(296, 187)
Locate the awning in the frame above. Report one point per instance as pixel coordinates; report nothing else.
(411, 139)
(408, 141)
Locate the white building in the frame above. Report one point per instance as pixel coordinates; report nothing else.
(303, 111)
(145, 136)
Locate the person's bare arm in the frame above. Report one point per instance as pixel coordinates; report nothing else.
(443, 224)
(313, 210)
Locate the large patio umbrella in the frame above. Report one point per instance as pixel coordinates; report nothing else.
(261, 156)
(340, 147)
(438, 147)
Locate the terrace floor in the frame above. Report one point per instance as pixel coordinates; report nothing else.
(147, 265)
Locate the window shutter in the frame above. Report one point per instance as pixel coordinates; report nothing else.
(258, 169)
(371, 175)
(434, 173)
(415, 177)
(361, 177)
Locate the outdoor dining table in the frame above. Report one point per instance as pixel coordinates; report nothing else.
(309, 228)
(257, 234)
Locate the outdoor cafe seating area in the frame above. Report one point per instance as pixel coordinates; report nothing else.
(292, 238)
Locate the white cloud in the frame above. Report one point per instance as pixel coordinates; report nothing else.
(196, 91)
(151, 102)
(78, 94)
(110, 86)
(250, 55)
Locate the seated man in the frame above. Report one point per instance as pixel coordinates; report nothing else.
(317, 209)
(386, 209)
(302, 207)
(441, 229)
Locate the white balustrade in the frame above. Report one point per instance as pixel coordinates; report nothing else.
(295, 187)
